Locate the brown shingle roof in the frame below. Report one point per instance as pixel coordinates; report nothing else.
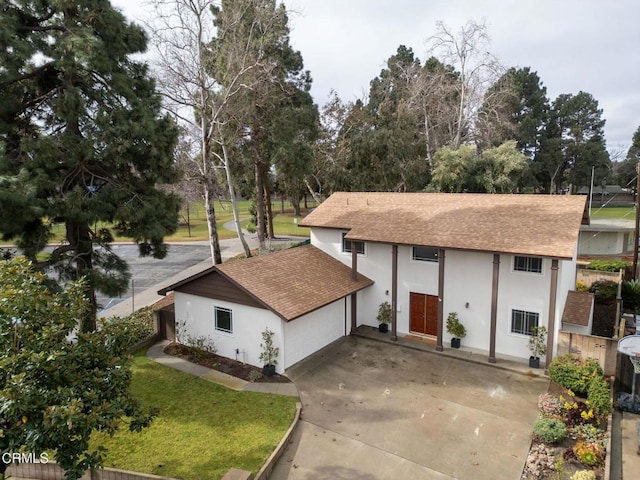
(577, 309)
(292, 282)
(541, 225)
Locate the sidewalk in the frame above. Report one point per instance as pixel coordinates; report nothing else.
(156, 353)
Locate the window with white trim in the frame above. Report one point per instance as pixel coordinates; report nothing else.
(527, 264)
(424, 254)
(523, 321)
(223, 320)
(347, 245)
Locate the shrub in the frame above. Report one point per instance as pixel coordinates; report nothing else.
(599, 396)
(550, 430)
(573, 373)
(540, 461)
(605, 291)
(584, 475)
(631, 295)
(589, 454)
(581, 286)
(588, 433)
(549, 405)
(607, 265)
(130, 330)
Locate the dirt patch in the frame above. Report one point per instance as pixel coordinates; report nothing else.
(226, 365)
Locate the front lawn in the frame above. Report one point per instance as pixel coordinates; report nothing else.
(202, 429)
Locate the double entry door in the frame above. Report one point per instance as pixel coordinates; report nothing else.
(423, 313)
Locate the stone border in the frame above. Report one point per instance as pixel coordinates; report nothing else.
(268, 466)
(53, 471)
(147, 342)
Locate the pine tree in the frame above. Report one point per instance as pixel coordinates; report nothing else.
(83, 144)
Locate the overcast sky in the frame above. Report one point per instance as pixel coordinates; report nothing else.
(573, 45)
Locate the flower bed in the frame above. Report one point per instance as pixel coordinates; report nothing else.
(570, 439)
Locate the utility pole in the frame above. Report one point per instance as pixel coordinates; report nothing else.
(635, 238)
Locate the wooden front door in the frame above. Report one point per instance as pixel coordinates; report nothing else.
(423, 313)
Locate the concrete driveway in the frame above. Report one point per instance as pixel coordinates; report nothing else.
(378, 411)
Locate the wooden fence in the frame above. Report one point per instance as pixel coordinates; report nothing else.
(602, 349)
(589, 277)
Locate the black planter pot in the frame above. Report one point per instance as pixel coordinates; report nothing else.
(269, 370)
(383, 327)
(534, 362)
(455, 343)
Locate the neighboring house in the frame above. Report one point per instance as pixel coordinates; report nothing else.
(504, 263)
(607, 236)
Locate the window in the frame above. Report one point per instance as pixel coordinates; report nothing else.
(224, 320)
(346, 246)
(522, 321)
(527, 264)
(425, 254)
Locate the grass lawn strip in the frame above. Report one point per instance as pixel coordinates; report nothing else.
(202, 429)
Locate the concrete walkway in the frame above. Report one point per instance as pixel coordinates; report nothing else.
(156, 353)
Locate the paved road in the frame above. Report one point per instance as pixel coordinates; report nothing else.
(148, 271)
(379, 411)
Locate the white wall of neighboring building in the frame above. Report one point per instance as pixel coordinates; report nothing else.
(603, 243)
(313, 331)
(248, 325)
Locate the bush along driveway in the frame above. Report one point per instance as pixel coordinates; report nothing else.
(570, 437)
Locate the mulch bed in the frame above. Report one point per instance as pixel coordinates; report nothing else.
(223, 364)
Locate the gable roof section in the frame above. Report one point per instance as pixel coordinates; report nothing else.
(290, 283)
(537, 225)
(577, 309)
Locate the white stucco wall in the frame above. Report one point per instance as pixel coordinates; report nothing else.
(248, 325)
(468, 284)
(311, 332)
(296, 339)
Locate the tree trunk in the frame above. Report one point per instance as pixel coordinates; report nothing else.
(234, 203)
(281, 203)
(260, 225)
(79, 238)
(216, 255)
(296, 206)
(269, 212)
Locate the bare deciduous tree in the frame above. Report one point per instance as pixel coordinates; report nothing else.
(475, 70)
(199, 93)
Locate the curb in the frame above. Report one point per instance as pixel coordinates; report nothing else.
(268, 466)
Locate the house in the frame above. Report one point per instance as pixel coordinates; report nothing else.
(299, 294)
(607, 236)
(504, 263)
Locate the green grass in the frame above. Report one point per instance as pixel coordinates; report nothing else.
(202, 429)
(283, 223)
(614, 212)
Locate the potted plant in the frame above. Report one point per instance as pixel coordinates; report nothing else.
(269, 355)
(384, 317)
(455, 328)
(537, 345)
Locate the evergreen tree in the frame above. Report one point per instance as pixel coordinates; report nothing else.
(83, 143)
(628, 168)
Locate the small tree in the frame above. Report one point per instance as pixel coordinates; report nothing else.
(55, 390)
(454, 327)
(269, 355)
(384, 313)
(538, 341)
